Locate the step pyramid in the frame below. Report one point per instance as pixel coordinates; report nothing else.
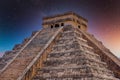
(62, 50)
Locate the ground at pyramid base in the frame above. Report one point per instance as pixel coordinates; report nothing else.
(62, 50)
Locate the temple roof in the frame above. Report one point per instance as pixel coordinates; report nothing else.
(67, 13)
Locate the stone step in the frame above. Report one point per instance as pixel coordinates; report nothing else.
(81, 39)
(73, 56)
(73, 71)
(72, 33)
(71, 52)
(74, 66)
(65, 77)
(68, 41)
(75, 74)
(77, 60)
(75, 78)
(68, 33)
(72, 38)
(71, 42)
(68, 46)
(63, 47)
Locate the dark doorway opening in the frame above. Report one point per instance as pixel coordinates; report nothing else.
(56, 25)
(79, 27)
(62, 24)
(51, 26)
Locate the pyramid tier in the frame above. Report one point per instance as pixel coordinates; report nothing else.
(78, 60)
(74, 71)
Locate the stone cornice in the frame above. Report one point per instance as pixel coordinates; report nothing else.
(67, 13)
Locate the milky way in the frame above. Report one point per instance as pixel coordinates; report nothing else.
(18, 18)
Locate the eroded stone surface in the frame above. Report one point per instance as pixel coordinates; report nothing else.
(15, 69)
(73, 59)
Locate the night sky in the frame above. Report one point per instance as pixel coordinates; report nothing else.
(18, 18)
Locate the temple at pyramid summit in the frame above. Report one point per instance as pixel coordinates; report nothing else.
(61, 50)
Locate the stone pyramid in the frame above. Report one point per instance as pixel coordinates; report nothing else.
(62, 50)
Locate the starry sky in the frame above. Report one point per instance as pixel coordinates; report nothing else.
(18, 18)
